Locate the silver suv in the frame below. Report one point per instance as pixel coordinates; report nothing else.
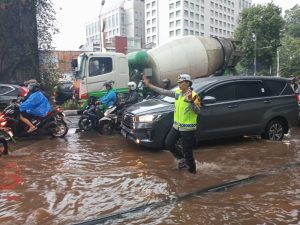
(231, 106)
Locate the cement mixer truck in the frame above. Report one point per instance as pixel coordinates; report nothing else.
(197, 56)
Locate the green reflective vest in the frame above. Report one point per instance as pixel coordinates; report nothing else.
(184, 116)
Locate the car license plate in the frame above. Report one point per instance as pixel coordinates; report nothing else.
(124, 134)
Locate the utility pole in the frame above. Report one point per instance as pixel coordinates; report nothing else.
(254, 35)
(100, 44)
(277, 52)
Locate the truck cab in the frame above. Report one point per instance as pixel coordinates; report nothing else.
(94, 68)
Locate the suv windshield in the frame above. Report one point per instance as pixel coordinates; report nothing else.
(198, 85)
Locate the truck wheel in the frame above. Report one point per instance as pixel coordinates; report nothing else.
(85, 123)
(274, 131)
(106, 127)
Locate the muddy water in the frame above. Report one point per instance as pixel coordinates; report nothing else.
(89, 176)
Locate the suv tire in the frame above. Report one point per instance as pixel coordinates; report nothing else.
(274, 131)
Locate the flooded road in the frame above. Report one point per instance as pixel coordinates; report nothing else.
(87, 176)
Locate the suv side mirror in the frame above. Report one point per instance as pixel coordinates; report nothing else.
(209, 100)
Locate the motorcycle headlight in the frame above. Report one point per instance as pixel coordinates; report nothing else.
(147, 118)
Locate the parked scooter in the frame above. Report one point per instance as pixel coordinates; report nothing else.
(53, 124)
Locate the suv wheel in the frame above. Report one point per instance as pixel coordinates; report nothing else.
(274, 131)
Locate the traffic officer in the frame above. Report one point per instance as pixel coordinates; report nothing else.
(187, 107)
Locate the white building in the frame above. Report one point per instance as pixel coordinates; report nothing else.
(125, 18)
(165, 19)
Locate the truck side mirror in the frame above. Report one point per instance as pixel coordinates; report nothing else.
(209, 100)
(74, 63)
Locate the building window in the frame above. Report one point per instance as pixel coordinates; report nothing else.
(171, 24)
(153, 12)
(191, 32)
(185, 32)
(192, 5)
(171, 6)
(192, 15)
(178, 32)
(178, 23)
(192, 24)
(178, 13)
(171, 33)
(171, 15)
(177, 4)
(186, 22)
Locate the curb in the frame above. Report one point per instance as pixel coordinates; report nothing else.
(70, 112)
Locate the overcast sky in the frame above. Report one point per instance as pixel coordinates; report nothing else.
(72, 16)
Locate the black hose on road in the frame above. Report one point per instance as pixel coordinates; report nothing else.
(211, 189)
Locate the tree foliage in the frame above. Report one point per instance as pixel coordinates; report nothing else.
(292, 19)
(290, 50)
(263, 24)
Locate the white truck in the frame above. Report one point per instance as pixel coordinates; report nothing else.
(197, 56)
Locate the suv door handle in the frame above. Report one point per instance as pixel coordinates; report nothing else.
(232, 106)
(267, 101)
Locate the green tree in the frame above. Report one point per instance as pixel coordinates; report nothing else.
(290, 56)
(292, 20)
(260, 24)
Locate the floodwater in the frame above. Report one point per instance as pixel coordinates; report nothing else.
(87, 176)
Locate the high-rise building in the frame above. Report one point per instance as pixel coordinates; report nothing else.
(123, 18)
(165, 19)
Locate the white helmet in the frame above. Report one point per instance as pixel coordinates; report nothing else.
(132, 85)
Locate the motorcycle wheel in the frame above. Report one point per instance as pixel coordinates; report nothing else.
(61, 129)
(3, 147)
(106, 127)
(85, 124)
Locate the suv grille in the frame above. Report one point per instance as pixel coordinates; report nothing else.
(128, 120)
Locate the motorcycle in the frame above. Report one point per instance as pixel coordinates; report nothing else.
(110, 121)
(5, 136)
(90, 117)
(53, 124)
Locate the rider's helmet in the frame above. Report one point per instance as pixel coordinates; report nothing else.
(132, 85)
(108, 84)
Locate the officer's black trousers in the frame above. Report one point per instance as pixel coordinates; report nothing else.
(188, 142)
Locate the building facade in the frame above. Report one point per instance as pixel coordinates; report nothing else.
(168, 19)
(118, 18)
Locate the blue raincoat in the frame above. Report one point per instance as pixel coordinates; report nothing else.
(37, 104)
(110, 98)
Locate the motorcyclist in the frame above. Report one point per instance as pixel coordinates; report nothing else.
(166, 83)
(110, 98)
(35, 105)
(131, 99)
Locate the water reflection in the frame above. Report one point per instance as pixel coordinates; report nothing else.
(87, 176)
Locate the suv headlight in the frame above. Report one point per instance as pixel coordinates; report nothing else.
(147, 118)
